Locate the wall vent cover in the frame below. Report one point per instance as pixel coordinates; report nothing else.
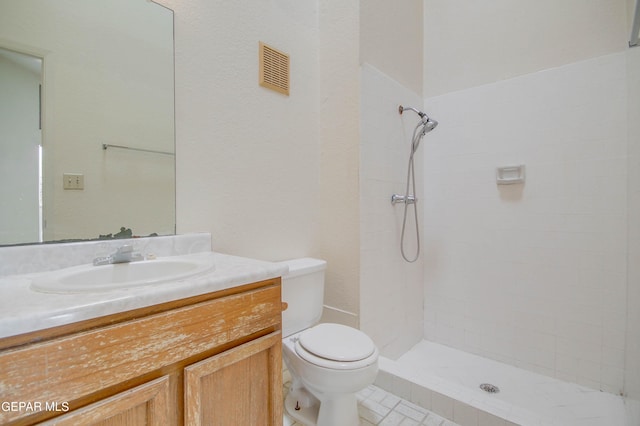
(274, 69)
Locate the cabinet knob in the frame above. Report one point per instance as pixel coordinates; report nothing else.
(285, 305)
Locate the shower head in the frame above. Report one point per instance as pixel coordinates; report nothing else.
(427, 123)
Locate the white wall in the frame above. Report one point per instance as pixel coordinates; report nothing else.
(391, 39)
(390, 289)
(338, 233)
(472, 43)
(632, 367)
(534, 274)
(270, 176)
(247, 163)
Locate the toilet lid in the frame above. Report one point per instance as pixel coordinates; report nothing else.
(337, 342)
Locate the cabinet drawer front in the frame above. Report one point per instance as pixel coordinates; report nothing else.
(65, 369)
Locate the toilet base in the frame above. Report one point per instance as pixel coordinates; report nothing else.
(305, 415)
(338, 411)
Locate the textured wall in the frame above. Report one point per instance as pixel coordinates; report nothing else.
(247, 157)
(391, 39)
(472, 43)
(270, 176)
(339, 132)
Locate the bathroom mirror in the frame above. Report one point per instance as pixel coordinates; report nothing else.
(86, 119)
(634, 38)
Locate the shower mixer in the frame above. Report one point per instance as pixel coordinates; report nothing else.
(405, 199)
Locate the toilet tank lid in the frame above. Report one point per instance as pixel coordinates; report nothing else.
(304, 265)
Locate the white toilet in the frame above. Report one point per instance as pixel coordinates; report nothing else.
(329, 363)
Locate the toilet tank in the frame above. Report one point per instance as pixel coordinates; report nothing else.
(303, 291)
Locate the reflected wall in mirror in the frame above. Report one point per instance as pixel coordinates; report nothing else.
(106, 78)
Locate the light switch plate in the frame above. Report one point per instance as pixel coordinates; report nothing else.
(73, 181)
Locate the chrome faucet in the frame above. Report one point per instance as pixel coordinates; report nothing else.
(123, 254)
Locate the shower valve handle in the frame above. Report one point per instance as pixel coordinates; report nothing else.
(405, 199)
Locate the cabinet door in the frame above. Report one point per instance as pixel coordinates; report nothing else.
(147, 404)
(241, 386)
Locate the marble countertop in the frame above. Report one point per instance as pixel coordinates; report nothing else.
(24, 310)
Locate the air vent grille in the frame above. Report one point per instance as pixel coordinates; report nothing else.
(274, 69)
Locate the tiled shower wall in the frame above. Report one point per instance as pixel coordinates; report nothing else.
(535, 274)
(390, 288)
(632, 367)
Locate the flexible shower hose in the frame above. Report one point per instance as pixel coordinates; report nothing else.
(411, 187)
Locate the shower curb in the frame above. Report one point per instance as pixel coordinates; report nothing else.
(443, 405)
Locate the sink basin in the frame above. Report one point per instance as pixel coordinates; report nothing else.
(89, 278)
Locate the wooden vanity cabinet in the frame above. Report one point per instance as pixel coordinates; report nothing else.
(213, 359)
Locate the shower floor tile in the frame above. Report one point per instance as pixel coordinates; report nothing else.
(379, 407)
(447, 381)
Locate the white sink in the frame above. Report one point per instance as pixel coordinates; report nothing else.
(88, 278)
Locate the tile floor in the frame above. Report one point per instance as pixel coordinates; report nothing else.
(379, 407)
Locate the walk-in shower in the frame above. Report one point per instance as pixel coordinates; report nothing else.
(424, 126)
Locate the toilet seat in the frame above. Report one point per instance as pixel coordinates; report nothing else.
(336, 346)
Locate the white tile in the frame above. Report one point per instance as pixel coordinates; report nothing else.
(401, 387)
(589, 370)
(367, 392)
(384, 380)
(372, 410)
(375, 407)
(487, 419)
(524, 395)
(612, 379)
(442, 405)
(390, 401)
(562, 217)
(369, 415)
(377, 394)
(434, 420)
(464, 414)
(409, 422)
(411, 410)
(383, 167)
(421, 396)
(392, 419)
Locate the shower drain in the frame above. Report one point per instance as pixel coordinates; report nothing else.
(488, 387)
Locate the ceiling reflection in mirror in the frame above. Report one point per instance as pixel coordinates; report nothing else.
(86, 120)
